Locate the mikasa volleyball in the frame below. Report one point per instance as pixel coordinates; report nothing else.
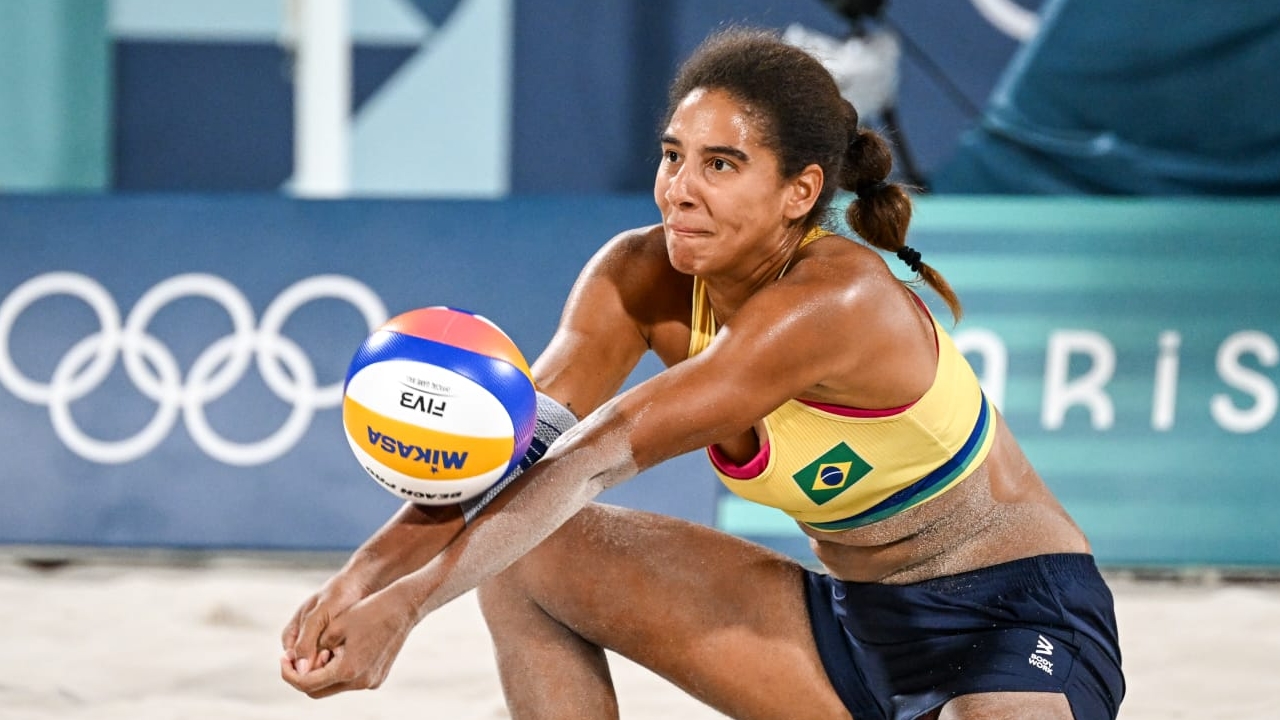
(438, 405)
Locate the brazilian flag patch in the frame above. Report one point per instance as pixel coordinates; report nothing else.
(831, 474)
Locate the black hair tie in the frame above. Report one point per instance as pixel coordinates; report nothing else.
(911, 257)
(871, 189)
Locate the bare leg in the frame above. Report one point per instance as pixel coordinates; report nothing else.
(1008, 706)
(721, 618)
(547, 670)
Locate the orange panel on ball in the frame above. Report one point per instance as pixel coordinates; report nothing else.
(459, 329)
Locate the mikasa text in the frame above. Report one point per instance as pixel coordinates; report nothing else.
(451, 459)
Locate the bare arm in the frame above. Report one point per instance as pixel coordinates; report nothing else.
(408, 540)
(780, 346)
(416, 534)
(750, 370)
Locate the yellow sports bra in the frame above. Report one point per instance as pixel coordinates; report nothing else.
(836, 468)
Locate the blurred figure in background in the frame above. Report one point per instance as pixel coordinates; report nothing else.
(1106, 100)
(865, 65)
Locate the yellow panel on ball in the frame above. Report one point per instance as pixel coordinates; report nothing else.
(421, 452)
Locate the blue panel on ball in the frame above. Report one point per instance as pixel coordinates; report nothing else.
(508, 383)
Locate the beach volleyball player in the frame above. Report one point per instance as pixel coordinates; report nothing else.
(953, 585)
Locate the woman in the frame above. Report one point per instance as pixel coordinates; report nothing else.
(955, 585)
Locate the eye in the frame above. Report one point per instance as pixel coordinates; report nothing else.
(721, 165)
(670, 156)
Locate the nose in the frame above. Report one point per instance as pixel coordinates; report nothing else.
(679, 190)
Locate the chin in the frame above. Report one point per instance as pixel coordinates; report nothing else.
(681, 261)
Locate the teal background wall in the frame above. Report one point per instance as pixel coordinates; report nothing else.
(1132, 347)
(55, 90)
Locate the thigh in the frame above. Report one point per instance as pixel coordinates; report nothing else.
(1008, 706)
(724, 619)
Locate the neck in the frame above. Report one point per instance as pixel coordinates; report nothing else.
(726, 295)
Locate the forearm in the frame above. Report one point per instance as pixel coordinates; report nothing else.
(417, 533)
(405, 543)
(553, 420)
(576, 469)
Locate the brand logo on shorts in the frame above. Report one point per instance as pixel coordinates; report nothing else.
(832, 473)
(1039, 658)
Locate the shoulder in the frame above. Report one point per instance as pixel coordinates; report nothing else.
(632, 273)
(641, 244)
(831, 286)
(839, 298)
(864, 320)
(635, 260)
(841, 273)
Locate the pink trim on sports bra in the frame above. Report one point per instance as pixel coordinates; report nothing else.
(751, 469)
(846, 411)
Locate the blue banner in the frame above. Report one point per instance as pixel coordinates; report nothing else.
(170, 367)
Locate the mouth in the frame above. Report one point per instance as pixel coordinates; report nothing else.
(685, 230)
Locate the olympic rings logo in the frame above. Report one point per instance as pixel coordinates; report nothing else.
(152, 368)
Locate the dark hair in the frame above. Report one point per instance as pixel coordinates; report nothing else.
(804, 120)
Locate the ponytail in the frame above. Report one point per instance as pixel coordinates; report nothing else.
(881, 211)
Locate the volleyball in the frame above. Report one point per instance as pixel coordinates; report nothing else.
(438, 404)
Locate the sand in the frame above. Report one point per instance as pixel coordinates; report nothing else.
(138, 637)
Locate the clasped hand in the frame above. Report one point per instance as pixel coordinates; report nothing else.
(343, 638)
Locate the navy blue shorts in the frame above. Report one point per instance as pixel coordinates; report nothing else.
(1042, 624)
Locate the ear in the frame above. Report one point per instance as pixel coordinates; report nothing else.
(803, 191)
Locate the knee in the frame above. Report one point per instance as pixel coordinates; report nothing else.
(494, 593)
(542, 575)
(503, 594)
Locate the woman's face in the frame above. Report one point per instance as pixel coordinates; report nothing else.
(723, 203)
